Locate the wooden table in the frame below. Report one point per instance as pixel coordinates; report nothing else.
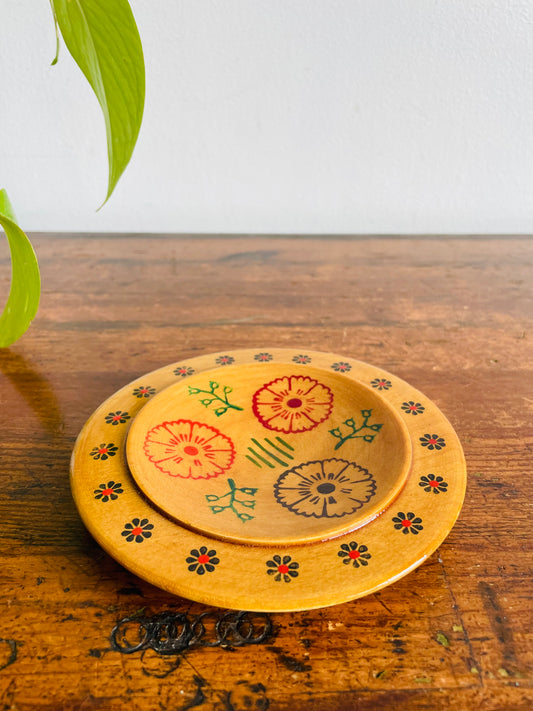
(452, 316)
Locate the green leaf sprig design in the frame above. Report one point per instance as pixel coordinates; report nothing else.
(102, 37)
(23, 299)
(214, 396)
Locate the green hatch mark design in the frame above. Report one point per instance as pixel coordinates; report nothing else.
(215, 397)
(233, 502)
(276, 452)
(353, 429)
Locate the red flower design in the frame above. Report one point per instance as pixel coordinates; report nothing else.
(341, 367)
(117, 418)
(294, 403)
(381, 384)
(413, 408)
(432, 483)
(263, 357)
(183, 371)
(104, 451)
(144, 391)
(301, 359)
(137, 530)
(432, 441)
(108, 492)
(407, 522)
(355, 554)
(282, 568)
(225, 360)
(189, 449)
(202, 561)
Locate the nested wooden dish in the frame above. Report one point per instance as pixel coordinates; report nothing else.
(269, 480)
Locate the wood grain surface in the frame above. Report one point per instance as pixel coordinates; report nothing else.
(452, 316)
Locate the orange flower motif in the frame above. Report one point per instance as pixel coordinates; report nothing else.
(294, 403)
(188, 449)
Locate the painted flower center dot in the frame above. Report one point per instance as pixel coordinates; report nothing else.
(283, 569)
(325, 488)
(204, 558)
(103, 450)
(294, 402)
(433, 483)
(107, 492)
(137, 531)
(190, 449)
(406, 523)
(354, 554)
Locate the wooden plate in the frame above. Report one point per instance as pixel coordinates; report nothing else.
(269, 480)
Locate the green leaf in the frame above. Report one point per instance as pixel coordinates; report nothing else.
(442, 639)
(102, 37)
(23, 300)
(56, 27)
(249, 491)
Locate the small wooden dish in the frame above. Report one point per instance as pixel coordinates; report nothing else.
(269, 480)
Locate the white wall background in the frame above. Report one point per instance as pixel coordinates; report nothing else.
(283, 116)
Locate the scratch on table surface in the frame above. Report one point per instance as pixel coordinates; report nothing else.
(289, 662)
(455, 606)
(498, 622)
(7, 698)
(377, 596)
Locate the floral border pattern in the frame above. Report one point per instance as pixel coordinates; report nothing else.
(137, 530)
(282, 568)
(355, 554)
(202, 560)
(108, 492)
(407, 522)
(432, 441)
